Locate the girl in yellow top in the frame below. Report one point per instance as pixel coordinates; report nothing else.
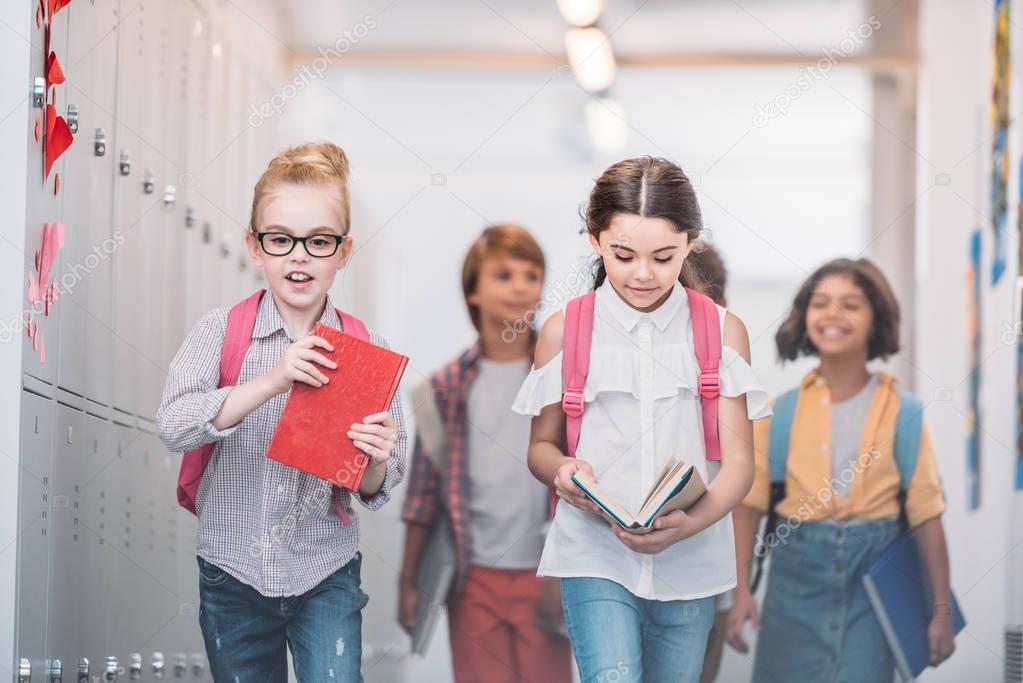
(841, 501)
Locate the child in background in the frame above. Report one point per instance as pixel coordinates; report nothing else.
(817, 623)
(480, 480)
(639, 607)
(278, 566)
(711, 271)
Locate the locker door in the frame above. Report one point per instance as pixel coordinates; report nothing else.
(199, 235)
(37, 423)
(99, 463)
(167, 244)
(39, 358)
(68, 582)
(135, 199)
(85, 363)
(213, 292)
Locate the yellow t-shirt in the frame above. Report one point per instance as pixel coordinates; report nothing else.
(809, 493)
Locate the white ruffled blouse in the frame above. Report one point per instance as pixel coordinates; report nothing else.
(642, 407)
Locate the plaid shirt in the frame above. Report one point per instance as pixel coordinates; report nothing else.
(267, 524)
(428, 488)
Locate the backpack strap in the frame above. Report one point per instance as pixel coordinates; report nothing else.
(575, 364)
(707, 341)
(353, 326)
(241, 319)
(784, 409)
(908, 429)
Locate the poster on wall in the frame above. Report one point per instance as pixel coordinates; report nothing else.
(1018, 334)
(973, 403)
(999, 136)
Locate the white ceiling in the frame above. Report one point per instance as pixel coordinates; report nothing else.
(635, 26)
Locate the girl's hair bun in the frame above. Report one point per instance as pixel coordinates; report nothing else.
(311, 163)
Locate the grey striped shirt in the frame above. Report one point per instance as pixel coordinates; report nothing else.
(265, 523)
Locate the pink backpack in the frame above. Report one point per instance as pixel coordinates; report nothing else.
(576, 365)
(240, 322)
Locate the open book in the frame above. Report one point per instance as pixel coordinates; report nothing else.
(678, 487)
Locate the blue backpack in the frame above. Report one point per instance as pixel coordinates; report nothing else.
(908, 427)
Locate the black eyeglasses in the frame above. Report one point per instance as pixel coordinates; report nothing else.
(282, 244)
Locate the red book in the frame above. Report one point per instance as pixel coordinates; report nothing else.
(312, 434)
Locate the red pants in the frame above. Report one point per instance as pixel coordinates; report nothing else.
(494, 636)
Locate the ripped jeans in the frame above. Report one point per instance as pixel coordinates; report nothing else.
(247, 634)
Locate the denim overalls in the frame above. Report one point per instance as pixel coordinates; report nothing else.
(817, 624)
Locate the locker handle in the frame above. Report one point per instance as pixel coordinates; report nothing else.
(38, 96)
(148, 182)
(99, 146)
(124, 164)
(72, 118)
(113, 670)
(158, 665)
(169, 197)
(56, 671)
(24, 670)
(83, 670)
(180, 665)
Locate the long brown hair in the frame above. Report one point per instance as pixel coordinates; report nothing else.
(650, 187)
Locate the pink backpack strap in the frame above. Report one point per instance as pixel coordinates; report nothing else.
(575, 364)
(355, 327)
(237, 338)
(707, 339)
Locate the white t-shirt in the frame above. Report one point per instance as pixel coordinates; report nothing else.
(642, 407)
(507, 505)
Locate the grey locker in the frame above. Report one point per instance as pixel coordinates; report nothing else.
(44, 206)
(67, 620)
(34, 523)
(99, 454)
(86, 316)
(133, 206)
(198, 243)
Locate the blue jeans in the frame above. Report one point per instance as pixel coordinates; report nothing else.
(620, 638)
(247, 633)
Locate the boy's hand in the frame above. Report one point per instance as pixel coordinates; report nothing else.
(298, 364)
(375, 437)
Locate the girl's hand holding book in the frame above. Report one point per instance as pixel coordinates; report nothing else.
(567, 489)
(668, 530)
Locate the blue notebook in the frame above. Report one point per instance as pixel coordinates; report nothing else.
(896, 584)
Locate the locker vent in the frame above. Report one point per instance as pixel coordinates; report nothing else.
(1014, 654)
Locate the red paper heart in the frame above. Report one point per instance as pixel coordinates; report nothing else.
(58, 138)
(54, 72)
